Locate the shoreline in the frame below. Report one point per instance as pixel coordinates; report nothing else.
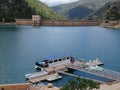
(105, 26)
(13, 23)
(113, 27)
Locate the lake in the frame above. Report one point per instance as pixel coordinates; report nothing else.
(22, 46)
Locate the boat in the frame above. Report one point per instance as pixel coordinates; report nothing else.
(95, 68)
(55, 77)
(96, 62)
(53, 61)
(35, 75)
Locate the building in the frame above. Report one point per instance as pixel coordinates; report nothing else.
(36, 20)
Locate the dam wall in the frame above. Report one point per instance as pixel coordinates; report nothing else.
(57, 22)
(24, 21)
(69, 23)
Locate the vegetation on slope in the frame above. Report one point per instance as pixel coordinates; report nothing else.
(76, 13)
(11, 9)
(76, 10)
(42, 9)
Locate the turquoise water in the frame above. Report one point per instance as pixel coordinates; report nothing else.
(22, 46)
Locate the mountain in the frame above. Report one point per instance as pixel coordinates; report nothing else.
(11, 9)
(75, 13)
(82, 8)
(113, 11)
(98, 14)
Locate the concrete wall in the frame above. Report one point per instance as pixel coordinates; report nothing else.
(15, 87)
(69, 23)
(24, 21)
(57, 22)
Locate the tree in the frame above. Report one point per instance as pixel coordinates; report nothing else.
(81, 84)
(24, 9)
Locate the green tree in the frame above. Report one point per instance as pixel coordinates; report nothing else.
(81, 84)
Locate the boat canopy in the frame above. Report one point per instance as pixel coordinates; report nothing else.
(41, 63)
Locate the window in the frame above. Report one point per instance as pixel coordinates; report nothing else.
(60, 59)
(68, 57)
(51, 62)
(55, 60)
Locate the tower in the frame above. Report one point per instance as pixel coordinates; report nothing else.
(36, 20)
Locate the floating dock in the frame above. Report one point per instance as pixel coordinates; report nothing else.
(51, 71)
(104, 73)
(79, 66)
(39, 79)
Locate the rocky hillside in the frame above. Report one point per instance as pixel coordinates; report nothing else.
(11, 9)
(113, 11)
(83, 9)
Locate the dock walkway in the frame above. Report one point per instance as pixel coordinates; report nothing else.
(104, 73)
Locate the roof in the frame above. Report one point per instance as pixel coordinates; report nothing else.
(57, 56)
